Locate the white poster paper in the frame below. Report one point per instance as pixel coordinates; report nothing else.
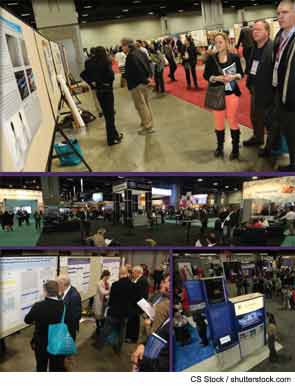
(79, 272)
(112, 265)
(20, 107)
(21, 285)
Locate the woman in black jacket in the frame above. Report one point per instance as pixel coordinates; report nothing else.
(189, 61)
(225, 68)
(98, 69)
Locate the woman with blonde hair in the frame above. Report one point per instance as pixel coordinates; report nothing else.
(223, 70)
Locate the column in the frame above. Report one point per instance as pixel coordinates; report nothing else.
(51, 190)
(148, 203)
(58, 21)
(212, 11)
(128, 207)
(164, 25)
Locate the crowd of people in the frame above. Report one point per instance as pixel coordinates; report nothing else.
(270, 69)
(22, 216)
(119, 319)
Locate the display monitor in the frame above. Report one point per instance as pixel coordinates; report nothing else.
(251, 319)
(97, 197)
(200, 199)
(215, 290)
(23, 208)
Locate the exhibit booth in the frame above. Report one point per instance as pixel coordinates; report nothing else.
(21, 199)
(236, 326)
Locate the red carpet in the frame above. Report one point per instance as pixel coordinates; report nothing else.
(197, 97)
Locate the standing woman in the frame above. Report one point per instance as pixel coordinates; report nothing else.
(272, 333)
(224, 68)
(189, 61)
(98, 69)
(101, 299)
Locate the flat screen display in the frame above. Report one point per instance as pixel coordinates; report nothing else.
(97, 197)
(215, 290)
(200, 199)
(251, 319)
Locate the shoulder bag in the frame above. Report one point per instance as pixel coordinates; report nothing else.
(215, 96)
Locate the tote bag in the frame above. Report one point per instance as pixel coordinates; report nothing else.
(60, 341)
(215, 96)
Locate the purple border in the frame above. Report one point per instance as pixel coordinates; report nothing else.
(171, 297)
(146, 174)
(142, 248)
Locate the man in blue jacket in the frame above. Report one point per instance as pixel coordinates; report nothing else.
(73, 303)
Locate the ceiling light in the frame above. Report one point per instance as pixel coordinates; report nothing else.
(227, 187)
(12, 4)
(87, 6)
(125, 10)
(25, 14)
(196, 3)
(84, 21)
(180, 10)
(85, 15)
(254, 178)
(151, 13)
(200, 180)
(163, 6)
(136, 1)
(216, 184)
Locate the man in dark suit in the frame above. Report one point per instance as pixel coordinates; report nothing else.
(73, 303)
(42, 314)
(140, 291)
(120, 303)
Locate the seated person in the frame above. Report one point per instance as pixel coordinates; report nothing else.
(98, 240)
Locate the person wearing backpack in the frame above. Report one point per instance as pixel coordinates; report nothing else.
(43, 314)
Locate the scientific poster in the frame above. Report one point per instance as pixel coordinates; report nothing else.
(79, 272)
(112, 265)
(21, 285)
(20, 107)
(57, 59)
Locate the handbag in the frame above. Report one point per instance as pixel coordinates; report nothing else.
(60, 341)
(215, 95)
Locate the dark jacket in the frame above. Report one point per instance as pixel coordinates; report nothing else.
(264, 93)
(141, 288)
(286, 72)
(246, 38)
(192, 55)
(121, 298)
(42, 314)
(211, 69)
(138, 69)
(74, 310)
(99, 72)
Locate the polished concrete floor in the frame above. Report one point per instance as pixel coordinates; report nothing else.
(184, 140)
(20, 357)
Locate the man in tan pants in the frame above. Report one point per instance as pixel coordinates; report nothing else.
(138, 73)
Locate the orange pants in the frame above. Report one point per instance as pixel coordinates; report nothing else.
(230, 113)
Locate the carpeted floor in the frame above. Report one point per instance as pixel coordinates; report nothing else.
(21, 236)
(197, 97)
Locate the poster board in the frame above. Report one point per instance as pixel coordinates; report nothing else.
(57, 59)
(47, 63)
(21, 285)
(84, 272)
(111, 264)
(26, 120)
(200, 38)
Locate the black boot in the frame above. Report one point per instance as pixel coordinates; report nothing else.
(235, 135)
(220, 143)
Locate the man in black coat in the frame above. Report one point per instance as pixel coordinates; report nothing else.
(260, 81)
(42, 314)
(120, 303)
(284, 77)
(140, 291)
(246, 38)
(73, 303)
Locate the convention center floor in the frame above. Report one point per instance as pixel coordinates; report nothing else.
(184, 138)
(20, 357)
(23, 236)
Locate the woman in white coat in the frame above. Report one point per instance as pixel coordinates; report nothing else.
(101, 299)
